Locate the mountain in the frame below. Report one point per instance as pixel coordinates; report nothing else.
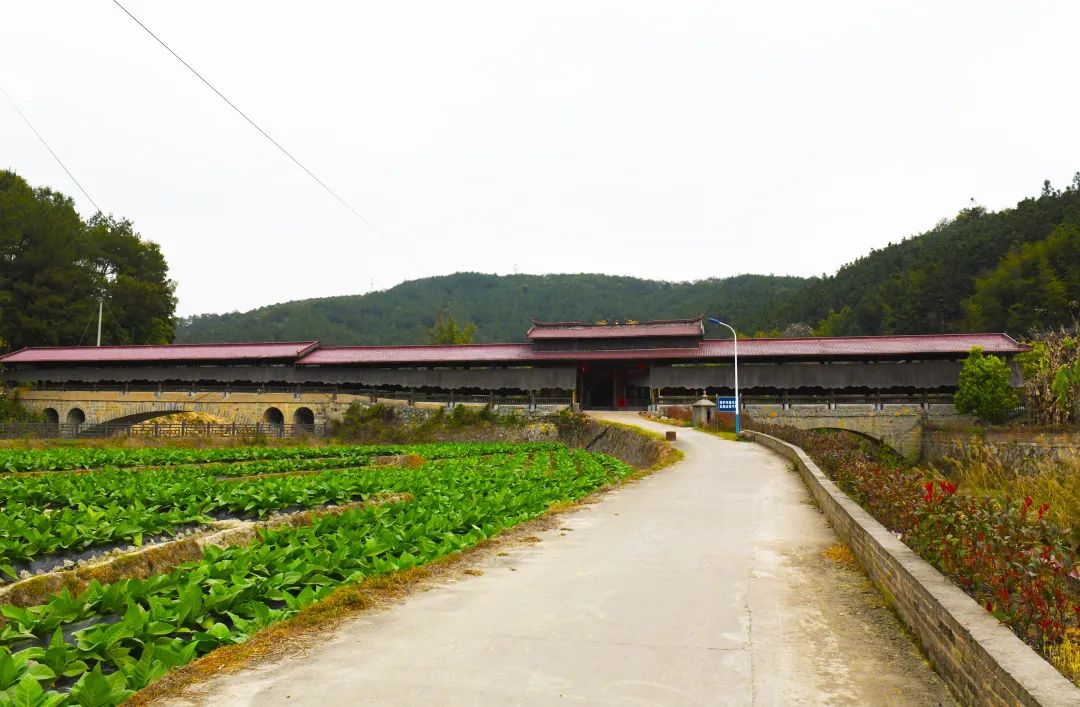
(500, 305)
(1015, 270)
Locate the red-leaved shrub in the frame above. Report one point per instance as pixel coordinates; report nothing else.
(1006, 555)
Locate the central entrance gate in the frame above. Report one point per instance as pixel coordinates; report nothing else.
(613, 386)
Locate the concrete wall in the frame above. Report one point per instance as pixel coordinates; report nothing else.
(982, 660)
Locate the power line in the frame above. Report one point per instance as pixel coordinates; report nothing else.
(244, 116)
(55, 156)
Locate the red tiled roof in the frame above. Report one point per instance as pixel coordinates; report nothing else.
(580, 330)
(480, 353)
(903, 345)
(164, 352)
(309, 352)
(956, 344)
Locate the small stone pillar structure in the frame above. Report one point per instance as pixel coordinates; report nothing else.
(703, 412)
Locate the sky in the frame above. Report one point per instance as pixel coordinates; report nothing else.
(668, 140)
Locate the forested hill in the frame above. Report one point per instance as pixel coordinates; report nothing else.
(1014, 270)
(501, 307)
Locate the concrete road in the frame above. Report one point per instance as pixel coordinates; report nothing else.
(702, 584)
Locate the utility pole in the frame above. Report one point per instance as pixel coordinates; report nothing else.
(100, 306)
(738, 428)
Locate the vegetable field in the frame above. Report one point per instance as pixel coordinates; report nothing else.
(97, 647)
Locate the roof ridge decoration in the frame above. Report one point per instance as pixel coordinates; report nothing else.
(684, 328)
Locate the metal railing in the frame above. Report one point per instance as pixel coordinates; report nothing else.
(878, 400)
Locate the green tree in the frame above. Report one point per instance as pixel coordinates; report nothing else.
(842, 323)
(984, 390)
(1033, 286)
(447, 331)
(54, 267)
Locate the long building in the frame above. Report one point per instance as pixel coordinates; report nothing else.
(594, 366)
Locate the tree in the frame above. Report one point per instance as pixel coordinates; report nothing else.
(54, 267)
(842, 323)
(984, 389)
(446, 330)
(1033, 286)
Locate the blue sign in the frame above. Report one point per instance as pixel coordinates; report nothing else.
(725, 404)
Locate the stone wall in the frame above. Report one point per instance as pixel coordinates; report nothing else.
(632, 446)
(1018, 448)
(241, 408)
(899, 426)
(982, 660)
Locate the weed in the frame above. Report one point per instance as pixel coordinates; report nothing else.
(1066, 655)
(840, 554)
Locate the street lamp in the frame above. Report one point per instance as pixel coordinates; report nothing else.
(734, 334)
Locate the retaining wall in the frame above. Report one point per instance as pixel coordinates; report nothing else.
(1019, 448)
(980, 658)
(633, 446)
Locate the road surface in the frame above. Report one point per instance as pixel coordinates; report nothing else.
(702, 584)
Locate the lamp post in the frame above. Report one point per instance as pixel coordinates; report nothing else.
(717, 321)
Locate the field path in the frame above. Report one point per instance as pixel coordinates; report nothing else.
(702, 584)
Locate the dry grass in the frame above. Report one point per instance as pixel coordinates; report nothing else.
(1066, 655)
(983, 472)
(841, 554)
(631, 427)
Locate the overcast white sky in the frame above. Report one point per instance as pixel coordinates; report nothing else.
(673, 140)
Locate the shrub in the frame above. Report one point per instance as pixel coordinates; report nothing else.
(984, 389)
(683, 413)
(1006, 554)
(12, 410)
(1052, 378)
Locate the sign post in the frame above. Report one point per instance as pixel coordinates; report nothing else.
(725, 404)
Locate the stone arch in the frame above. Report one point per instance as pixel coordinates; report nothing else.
(303, 417)
(118, 424)
(76, 416)
(273, 416)
(51, 416)
(897, 442)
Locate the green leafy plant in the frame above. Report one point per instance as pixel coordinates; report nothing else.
(118, 637)
(984, 388)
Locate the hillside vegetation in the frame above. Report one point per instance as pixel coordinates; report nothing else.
(501, 307)
(980, 271)
(1015, 270)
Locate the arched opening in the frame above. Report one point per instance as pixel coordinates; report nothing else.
(76, 416)
(51, 416)
(304, 419)
(273, 416)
